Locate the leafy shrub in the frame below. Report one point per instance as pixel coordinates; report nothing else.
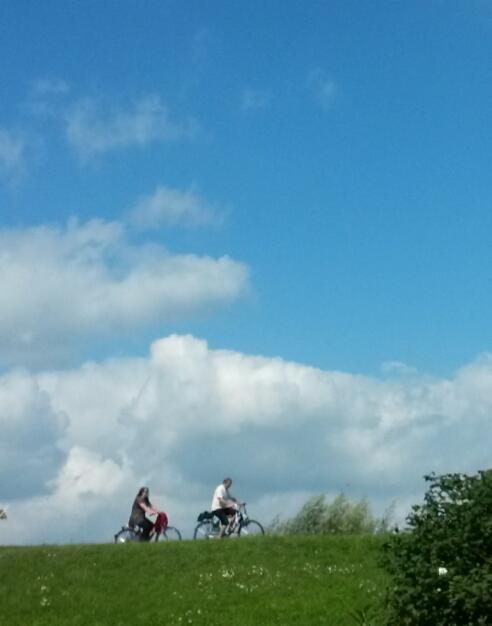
(442, 565)
(341, 516)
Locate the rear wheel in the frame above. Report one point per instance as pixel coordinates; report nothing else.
(252, 528)
(126, 535)
(170, 534)
(204, 530)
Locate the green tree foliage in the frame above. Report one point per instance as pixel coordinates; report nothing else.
(442, 565)
(341, 516)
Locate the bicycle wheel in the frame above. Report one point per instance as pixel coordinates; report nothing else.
(204, 530)
(252, 528)
(170, 534)
(126, 535)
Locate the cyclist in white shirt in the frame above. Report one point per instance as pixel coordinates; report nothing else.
(224, 506)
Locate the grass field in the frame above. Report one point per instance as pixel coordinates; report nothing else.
(261, 581)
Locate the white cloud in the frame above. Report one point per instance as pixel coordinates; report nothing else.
(86, 473)
(47, 98)
(49, 87)
(254, 100)
(322, 87)
(12, 153)
(397, 368)
(59, 286)
(88, 492)
(187, 415)
(172, 207)
(30, 454)
(92, 130)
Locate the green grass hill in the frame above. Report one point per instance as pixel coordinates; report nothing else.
(330, 580)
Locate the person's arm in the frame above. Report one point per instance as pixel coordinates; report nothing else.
(226, 500)
(148, 508)
(234, 503)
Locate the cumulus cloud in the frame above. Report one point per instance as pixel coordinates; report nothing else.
(30, 452)
(93, 129)
(60, 285)
(322, 87)
(167, 206)
(86, 473)
(186, 415)
(88, 492)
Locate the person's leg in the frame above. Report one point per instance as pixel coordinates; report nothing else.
(147, 526)
(231, 518)
(223, 519)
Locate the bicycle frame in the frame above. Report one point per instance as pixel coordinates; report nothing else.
(211, 527)
(241, 519)
(159, 529)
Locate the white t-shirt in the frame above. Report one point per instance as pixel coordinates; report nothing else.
(221, 493)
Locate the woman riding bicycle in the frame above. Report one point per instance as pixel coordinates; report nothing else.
(142, 506)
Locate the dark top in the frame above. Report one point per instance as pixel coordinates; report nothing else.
(137, 515)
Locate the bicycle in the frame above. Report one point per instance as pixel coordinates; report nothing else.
(162, 532)
(242, 526)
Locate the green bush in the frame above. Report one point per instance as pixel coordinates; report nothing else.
(341, 516)
(441, 565)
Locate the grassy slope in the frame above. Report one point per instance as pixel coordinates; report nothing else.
(260, 581)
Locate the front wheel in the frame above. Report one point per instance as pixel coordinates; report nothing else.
(252, 528)
(170, 534)
(204, 530)
(126, 535)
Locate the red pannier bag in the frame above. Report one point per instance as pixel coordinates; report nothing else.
(161, 523)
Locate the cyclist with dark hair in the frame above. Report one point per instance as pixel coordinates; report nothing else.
(142, 506)
(224, 506)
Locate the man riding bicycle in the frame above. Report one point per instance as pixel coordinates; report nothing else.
(142, 506)
(224, 506)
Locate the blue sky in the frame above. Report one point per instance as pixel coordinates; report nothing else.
(305, 181)
(365, 218)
